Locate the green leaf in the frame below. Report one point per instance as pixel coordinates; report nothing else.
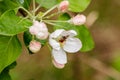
(24, 3)
(10, 24)
(78, 5)
(47, 3)
(86, 38)
(10, 49)
(7, 5)
(4, 75)
(27, 38)
(116, 62)
(83, 33)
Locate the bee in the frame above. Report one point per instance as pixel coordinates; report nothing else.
(63, 38)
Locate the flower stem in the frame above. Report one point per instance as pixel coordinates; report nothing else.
(55, 21)
(52, 24)
(26, 11)
(33, 10)
(48, 11)
(49, 46)
(51, 15)
(37, 7)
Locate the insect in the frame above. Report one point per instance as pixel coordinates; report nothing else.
(63, 38)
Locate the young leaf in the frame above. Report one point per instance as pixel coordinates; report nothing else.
(78, 5)
(47, 3)
(10, 49)
(10, 24)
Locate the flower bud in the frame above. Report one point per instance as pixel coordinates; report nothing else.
(78, 20)
(57, 65)
(34, 28)
(39, 29)
(64, 6)
(42, 35)
(34, 46)
(43, 31)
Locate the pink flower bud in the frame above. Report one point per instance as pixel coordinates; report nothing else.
(39, 29)
(78, 20)
(34, 46)
(57, 65)
(34, 28)
(64, 6)
(42, 35)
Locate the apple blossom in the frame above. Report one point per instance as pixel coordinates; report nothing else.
(39, 29)
(34, 46)
(63, 6)
(63, 41)
(78, 19)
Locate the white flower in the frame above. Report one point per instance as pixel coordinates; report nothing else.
(39, 29)
(34, 46)
(63, 41)
(78, 19)
(64, 6)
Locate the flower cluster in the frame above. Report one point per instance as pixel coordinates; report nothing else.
(40, 30)
(61, 41)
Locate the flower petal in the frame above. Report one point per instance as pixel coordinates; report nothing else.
(57, 65)
(59, 56)
(34, 46)
(72, 45)
(55, 45)
(56, 33)
(70, 33)
(42, 35)
(73, 32)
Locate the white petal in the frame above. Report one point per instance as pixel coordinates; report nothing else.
(59, 56)
(54, 44)
(42, 35)
(73, 32)
(57, 65)
(56, 33)
(33, 30)
(43, 27)
(72, 45)
(70, 33)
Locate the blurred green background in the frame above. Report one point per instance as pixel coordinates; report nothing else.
(102, 63)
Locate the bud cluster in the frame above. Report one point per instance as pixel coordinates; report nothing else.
(40, 31)
(78, 19)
